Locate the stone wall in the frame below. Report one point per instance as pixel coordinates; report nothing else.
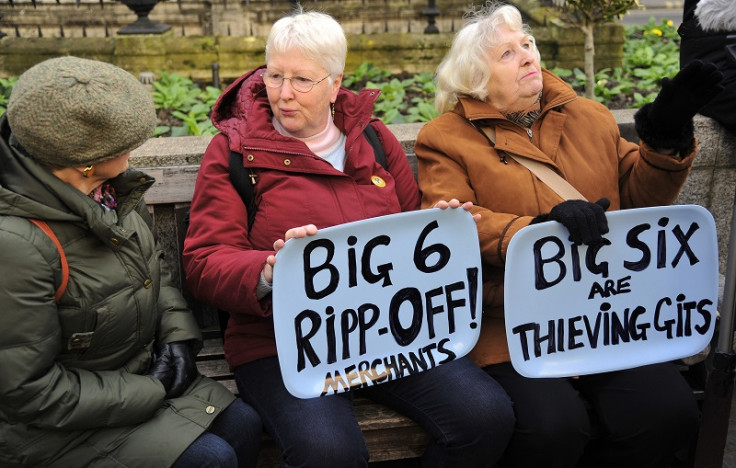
(388, 33)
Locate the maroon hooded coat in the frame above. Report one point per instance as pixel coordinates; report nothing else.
(223, 259)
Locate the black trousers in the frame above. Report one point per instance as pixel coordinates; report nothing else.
(633, 418)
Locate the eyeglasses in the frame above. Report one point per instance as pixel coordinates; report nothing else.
(299, 83)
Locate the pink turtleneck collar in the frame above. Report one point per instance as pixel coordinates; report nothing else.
(320, 143)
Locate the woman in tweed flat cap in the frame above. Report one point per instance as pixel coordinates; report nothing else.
(97, 359)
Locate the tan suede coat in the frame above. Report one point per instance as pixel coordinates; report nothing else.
(577, 137)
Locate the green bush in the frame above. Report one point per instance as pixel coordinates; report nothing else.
(651, 52)
(184, 107)
(6, 86)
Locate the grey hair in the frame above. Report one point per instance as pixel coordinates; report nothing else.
(464, 70)
(316, 35)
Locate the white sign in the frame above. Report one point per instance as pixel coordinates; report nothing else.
(647, 294)
(375, 300)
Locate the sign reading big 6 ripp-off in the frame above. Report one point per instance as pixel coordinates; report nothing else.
(372, 301)
(648, 293)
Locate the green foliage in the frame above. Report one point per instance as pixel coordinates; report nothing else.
(391, 103)
(196, 121)
(174, 91)
(366, 71)
(6, 86)
(403, 98)
(651, 52)
(187, 104)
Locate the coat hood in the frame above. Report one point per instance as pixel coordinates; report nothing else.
(716, 15)
(243, 113)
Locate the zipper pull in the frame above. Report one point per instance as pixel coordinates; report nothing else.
(529, 132)
(252, 176)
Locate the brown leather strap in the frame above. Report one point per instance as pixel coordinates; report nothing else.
(560, 186)
(64, 265)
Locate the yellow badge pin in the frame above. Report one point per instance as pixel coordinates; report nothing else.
(378, 181)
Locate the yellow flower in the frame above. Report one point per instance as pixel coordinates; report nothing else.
(669, 23)
(656, 31)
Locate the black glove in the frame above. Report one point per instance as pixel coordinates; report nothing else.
(586, 221)
(162, 368)
(175, 367)
(667, 122)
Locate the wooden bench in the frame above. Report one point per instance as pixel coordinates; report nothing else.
(391, 438)
(389, 435)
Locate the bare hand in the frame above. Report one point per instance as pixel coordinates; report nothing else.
(455, 203)
(297, 232)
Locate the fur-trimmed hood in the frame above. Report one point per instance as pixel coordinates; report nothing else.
(716, 15)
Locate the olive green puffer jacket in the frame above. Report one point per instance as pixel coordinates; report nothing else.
(72, 387)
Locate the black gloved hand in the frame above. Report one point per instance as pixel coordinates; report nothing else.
(162, 368)
(586, 221)
(667, 122)
(175, 367)
(185, 367)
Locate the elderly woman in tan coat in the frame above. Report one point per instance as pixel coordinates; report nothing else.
(492, 78)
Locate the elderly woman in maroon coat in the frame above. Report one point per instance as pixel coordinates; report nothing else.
(302, 140)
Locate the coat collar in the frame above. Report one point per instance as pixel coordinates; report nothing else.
(510, 137)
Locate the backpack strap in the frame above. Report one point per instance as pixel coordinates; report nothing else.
(243, 181)
(372, 137)
(64, 265)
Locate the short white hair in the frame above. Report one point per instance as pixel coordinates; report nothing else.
(316, 35)
(464, 70)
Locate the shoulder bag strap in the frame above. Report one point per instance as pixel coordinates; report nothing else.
(560, 186)
(64, 265)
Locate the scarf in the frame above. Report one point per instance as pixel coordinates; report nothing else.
(104, 194)
(526, 117)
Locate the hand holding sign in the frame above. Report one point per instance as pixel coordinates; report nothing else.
(455, 203)
(297, 232)
(375, 300)
(586, 221)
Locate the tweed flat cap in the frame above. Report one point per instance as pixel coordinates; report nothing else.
(70, 111)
